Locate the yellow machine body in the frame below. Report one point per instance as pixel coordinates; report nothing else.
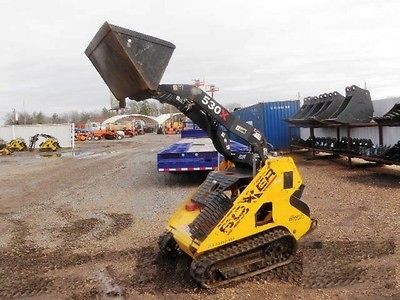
(5, 151)
(49, 144)
(268, 196)
(17, 144)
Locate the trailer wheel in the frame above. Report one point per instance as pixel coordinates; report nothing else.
(90, 138)
(96, 138)
(119, 137)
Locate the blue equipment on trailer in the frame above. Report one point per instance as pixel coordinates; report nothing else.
(194, 152)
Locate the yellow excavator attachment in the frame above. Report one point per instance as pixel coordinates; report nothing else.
(17, 144)
(49, 144)
(5, 151)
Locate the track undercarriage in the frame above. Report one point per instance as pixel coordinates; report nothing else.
(239, 260)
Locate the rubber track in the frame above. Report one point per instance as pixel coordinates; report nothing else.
(233, 250)
(221, 182)
(211, 214)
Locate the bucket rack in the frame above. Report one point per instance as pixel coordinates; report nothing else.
(346, 149)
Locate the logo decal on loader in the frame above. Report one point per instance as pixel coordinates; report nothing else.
(257, 134)
(239, 212)
(251, 196)
(233, 220)
(262, 184)
(294, 218)
(240, 129)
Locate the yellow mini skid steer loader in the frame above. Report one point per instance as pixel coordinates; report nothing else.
(240, 222)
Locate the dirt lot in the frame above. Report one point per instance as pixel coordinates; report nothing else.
(86, 226)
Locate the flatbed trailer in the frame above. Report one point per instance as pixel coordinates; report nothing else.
(192, 154)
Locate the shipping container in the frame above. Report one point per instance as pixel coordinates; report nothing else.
(269, 118)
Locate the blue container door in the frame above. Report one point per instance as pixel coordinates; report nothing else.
(276, 130)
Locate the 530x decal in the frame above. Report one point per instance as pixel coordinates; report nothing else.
(215, 107)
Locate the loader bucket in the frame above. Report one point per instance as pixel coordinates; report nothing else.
(392, 116)
(131, 63)
(317, 104)
(309, 103)
(303, 109)
(334, 101)
(356, 108)
(326, 101)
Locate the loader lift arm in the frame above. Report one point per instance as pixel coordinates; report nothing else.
(212, 117)
(132, 65)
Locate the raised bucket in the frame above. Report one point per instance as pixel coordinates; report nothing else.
(131, 63)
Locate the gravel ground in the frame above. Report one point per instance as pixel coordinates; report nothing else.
(85, 225)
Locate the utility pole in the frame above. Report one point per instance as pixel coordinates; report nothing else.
(15, 116)
(23, 110)
(212, 89)
(198, 83)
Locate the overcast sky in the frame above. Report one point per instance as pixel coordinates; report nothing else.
(252, 50)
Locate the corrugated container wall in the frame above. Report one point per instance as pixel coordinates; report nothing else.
(268, 117)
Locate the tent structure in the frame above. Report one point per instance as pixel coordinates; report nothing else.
(160, 120)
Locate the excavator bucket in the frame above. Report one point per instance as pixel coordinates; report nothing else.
(316, 104)
(321, 104)
(327, 104)
(356, 108)
(392, 116)
(131, 63)
(304, 109)
(325, 101)
(334, 101)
